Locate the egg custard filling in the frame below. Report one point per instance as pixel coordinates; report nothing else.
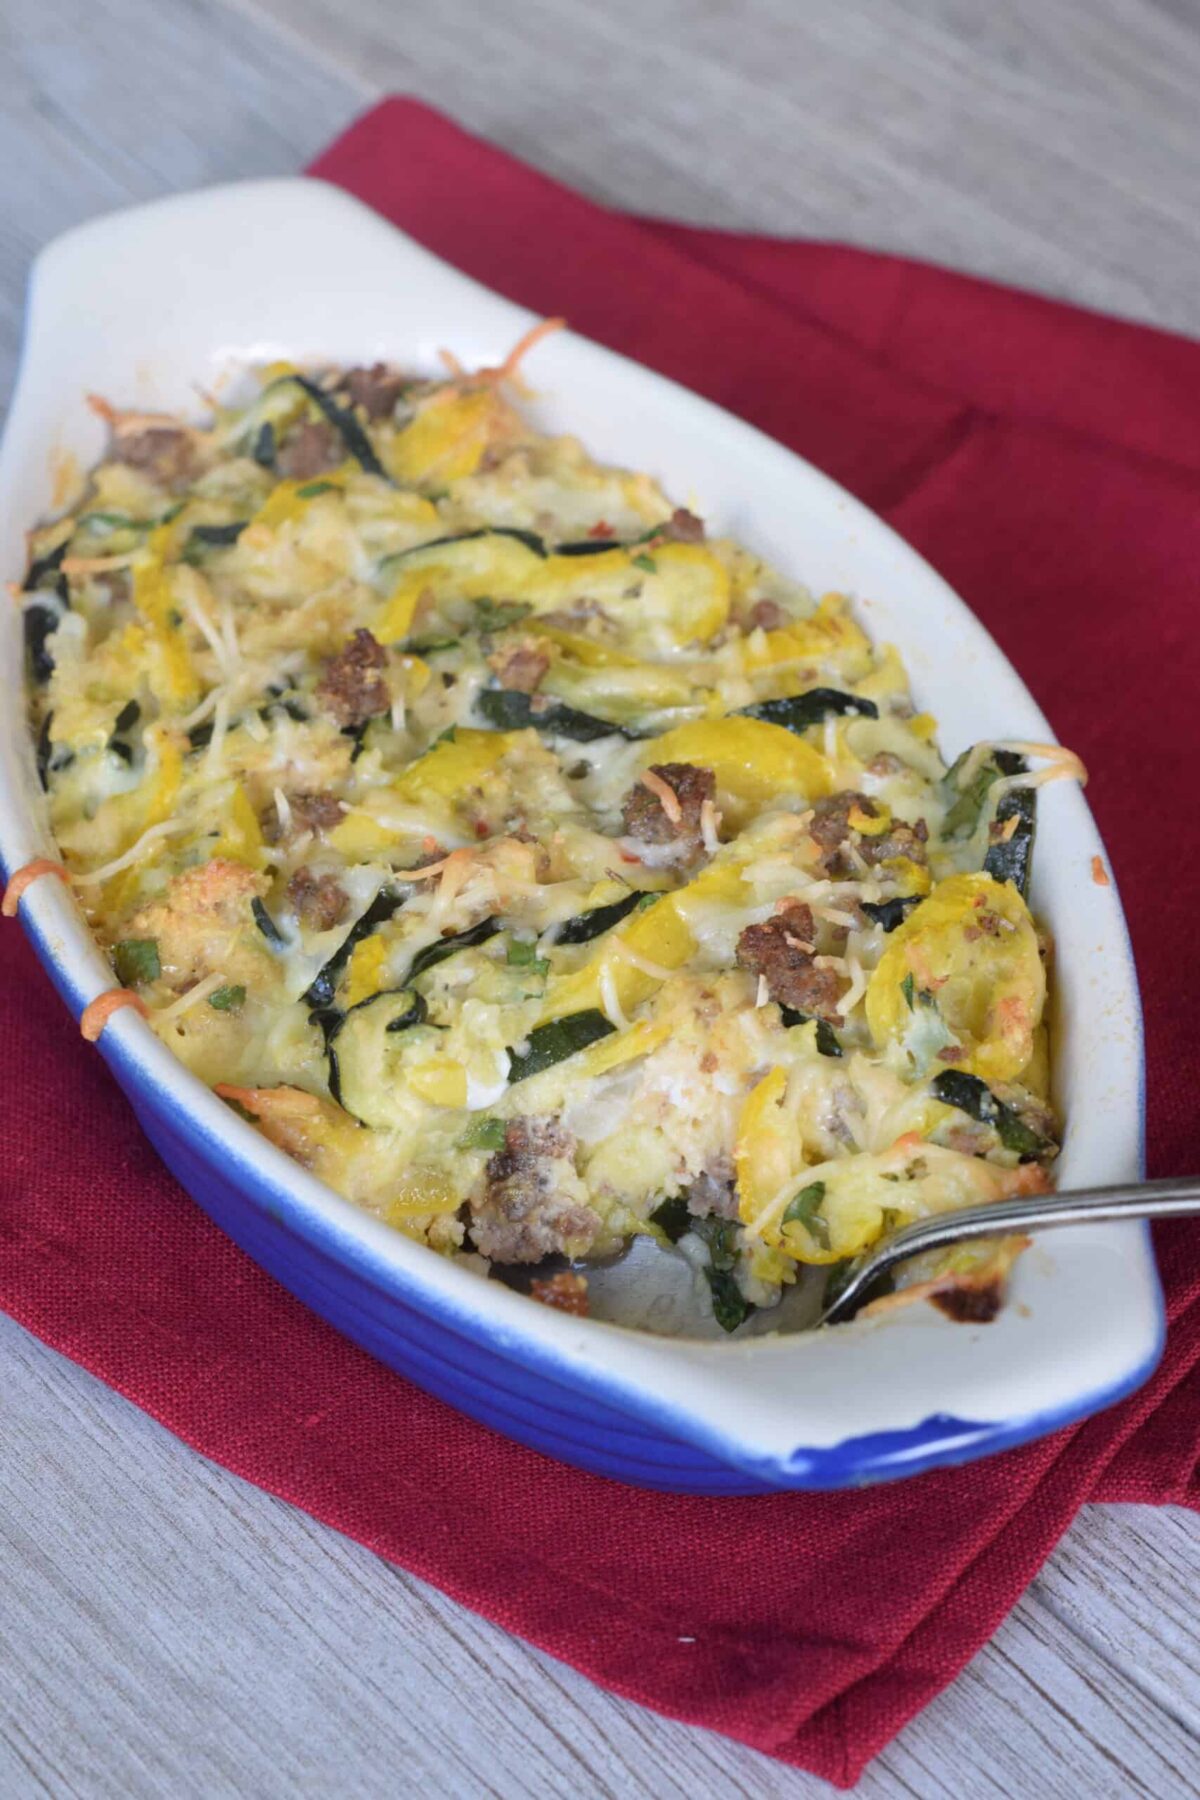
(537, 869)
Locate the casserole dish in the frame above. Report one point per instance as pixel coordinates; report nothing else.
(1084, 1319)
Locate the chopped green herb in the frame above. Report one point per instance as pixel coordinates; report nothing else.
(672, 1217)
(730, 1306)
(805, 1210)
(311, 489)
(484, 1134)
(908, 989)
(432, 647)
(646, 562)
(136, 960)
(448, 736)
(497, 615)
(523, 955)
(228, 999)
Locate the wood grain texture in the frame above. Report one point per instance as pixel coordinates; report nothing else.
(170, 1630)
(1054, 146)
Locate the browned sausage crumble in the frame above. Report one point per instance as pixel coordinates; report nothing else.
(783, 951)
(351, 689)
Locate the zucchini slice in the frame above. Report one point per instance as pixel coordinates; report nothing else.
(437, 952)
(800, 712)
(1010, 853)
(346, 425)
(46, 572)
(599, 919)
(203, 538)
(681, 593)
(966, 803)
(954, 1087)
(827, 1038)
(890, 913)
(512, 711)
(555, 1041)
(39, 622)
(321, 990)
(365, 1048)
(1010, 856)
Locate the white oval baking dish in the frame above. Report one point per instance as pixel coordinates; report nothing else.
(146, 306)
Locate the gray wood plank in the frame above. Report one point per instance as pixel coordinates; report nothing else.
(124, 100)
(1051, 146)
(173, 1630)
(1122, 1580)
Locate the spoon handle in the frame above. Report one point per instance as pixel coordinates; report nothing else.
(1037, 1212)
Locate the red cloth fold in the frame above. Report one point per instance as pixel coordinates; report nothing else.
(1048, 462)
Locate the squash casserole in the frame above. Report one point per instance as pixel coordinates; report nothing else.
(537, 868)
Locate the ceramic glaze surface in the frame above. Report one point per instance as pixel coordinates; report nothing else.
(876, 1399)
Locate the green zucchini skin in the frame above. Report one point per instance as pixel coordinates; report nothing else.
(37, 624)
(827, 1038)
(212, 537)
(672, 1217)
(594, 923)
(890, 913)
(433, 954)
(320, 992)
(267, 925)
(264, 447)
(530, 539)
(1013, 860)
(555, 1041)
(46, 572)
(43, 751)
(966, 804)
(346, 425)
(730, 1306)
(954, 1087)
(332, 1018)
(357, 1039)
(800, 712)
(511, 711)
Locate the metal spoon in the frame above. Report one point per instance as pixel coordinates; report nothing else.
(1135, 1200)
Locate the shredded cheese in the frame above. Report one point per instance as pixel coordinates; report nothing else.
(95, 1016)
(164, 1015)
(667, 798)
(24, 877)
(127, 858)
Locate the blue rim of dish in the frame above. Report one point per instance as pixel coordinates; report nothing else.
(938, 1441)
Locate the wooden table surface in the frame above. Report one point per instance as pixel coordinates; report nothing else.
(168, 1630)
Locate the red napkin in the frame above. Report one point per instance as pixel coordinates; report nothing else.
(1048, 462)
